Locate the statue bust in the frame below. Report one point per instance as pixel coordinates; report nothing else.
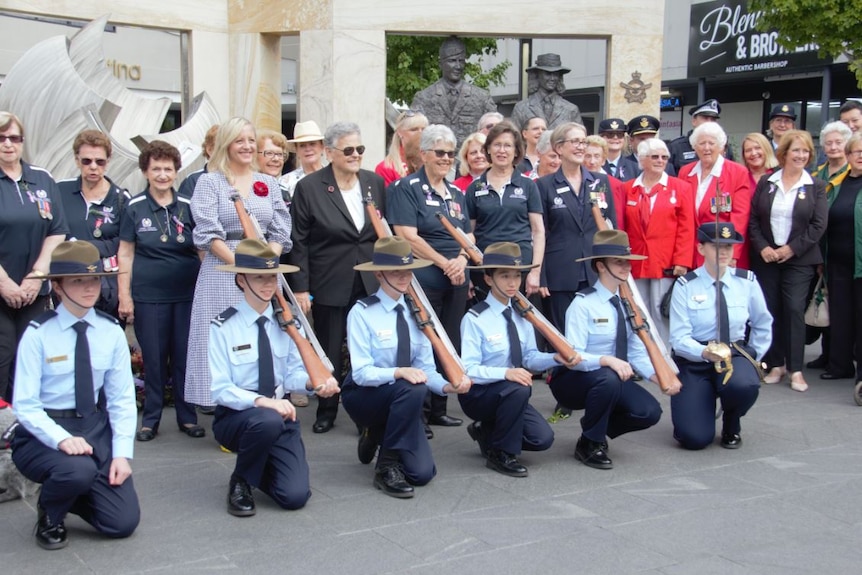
(450, 100)
(544, 86)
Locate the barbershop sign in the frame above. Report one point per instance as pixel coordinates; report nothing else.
(724, 41)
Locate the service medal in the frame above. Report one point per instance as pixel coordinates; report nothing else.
(97, 233)
(181, 238)
(163, 238)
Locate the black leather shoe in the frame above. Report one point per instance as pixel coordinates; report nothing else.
(731, 440)
(429, 433)
(505, 463)
(830, 375)
(49, 535)
(444, 421)
(819, 363)
(390, 480)
(368, 442)
(592, 454)
(195, 431)
(145, 435)
(323, 424)
(477, 434)
(240, 501)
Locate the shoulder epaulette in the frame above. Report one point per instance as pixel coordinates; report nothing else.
(478, 308)
(746, 274)
(223, 316)
(686, 278)
(107, 316)
(585, 292)
(368, 301)
(136, 199)
(42, 318)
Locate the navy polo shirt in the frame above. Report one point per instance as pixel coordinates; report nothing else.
(412, 202)
(84, 218)
(506, 217)
(163, 272)
(22, 229)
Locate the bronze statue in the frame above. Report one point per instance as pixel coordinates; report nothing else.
(544, 86)
(450, 100)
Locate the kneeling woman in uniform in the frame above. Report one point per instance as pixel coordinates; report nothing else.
(602, 384)
(253, 363)
(392, 369)
(498, 347)
(694, 320)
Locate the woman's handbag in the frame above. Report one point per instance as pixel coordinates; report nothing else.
(817, 312)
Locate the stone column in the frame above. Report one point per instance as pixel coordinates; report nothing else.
(255, 78)
(206, 48)
(628, 54)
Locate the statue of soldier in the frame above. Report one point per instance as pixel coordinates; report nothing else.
(450, 100)
(544, 86)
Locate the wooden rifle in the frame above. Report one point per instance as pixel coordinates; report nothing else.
(423, 313)
(664, 372)
(318, 371)
(520, 302)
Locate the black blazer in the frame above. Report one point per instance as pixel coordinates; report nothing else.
(630, 168)
(326, 244)
(809, 222)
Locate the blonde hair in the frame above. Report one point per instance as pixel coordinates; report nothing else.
(227, 133)
(7, 119)
(599, 142)
(406, 120)
(474, 138)
(769, 161)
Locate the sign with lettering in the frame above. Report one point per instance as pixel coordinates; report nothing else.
(724, 41)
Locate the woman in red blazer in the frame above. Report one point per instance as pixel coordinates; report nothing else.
(711, 169)
(659, 218)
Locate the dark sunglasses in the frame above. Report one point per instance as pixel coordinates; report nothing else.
(444, 153)
(101, 162)
(348, 151)
(13, 139)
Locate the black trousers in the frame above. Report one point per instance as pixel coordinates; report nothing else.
(13, 322)
(79, 483)
(270, 454)
(510, 422)
(845, 320)
(330, 326)
(559, 303)
(785, 287)
(450, 305)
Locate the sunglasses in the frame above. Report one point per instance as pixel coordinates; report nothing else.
(656, 157)
(13, 139)
(444, 153)
(101, 162)
(348, 151)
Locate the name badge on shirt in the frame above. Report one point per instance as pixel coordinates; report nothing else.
(600, 320)
(495, 337)
(699, 298)
(241, 348)
(432, 202)
(57, 359)
(384, 334)
(631, 203)
(563, 190)
(481, 193)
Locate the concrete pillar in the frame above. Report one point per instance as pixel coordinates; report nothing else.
(628, 54)
(255, 78)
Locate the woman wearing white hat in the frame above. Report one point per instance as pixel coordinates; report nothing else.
(307, 144)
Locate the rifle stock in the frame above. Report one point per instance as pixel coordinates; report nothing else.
(317, 371)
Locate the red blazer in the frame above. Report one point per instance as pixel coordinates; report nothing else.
(735, 181)
(668, 239)
(619, 192)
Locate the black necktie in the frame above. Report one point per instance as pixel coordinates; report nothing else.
(724, 327)
(85, 402)
(514, 340)
(266, 372)
(402, 332)
(621, 347)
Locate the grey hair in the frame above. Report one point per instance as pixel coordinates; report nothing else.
(839, 127)
(434, 134)
(651, 145)
(487, 116)
(543, 146)
(337, 131)
(711, 129)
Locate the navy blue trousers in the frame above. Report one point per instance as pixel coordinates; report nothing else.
(510, 422)
(611, 406)
(397, 410)
(693, 408)
(79, 483)
(270, 454)
(162, 330)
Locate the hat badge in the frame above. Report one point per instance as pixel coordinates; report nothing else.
(784, 108)
(405, 260)
(644, 122)
(516, 261)
(91, 268)
(269, 264)
(615, 125)
(725, 232)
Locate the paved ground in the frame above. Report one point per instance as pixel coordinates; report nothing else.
(787, 502)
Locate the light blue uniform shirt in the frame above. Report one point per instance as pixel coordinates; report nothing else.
(485, 344)
(233, 358)
(693, 312)
(591, 328)
(373, 344)
(45, 377)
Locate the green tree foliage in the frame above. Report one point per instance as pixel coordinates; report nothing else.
(412, 63)
(835, 25)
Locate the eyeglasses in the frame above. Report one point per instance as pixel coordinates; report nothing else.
(101, 162)
(577, 142)
(269, 155)
(855, 154)
(443, 153)
(502, 146)
(14, 139)
(656, 157)
(348, 151)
